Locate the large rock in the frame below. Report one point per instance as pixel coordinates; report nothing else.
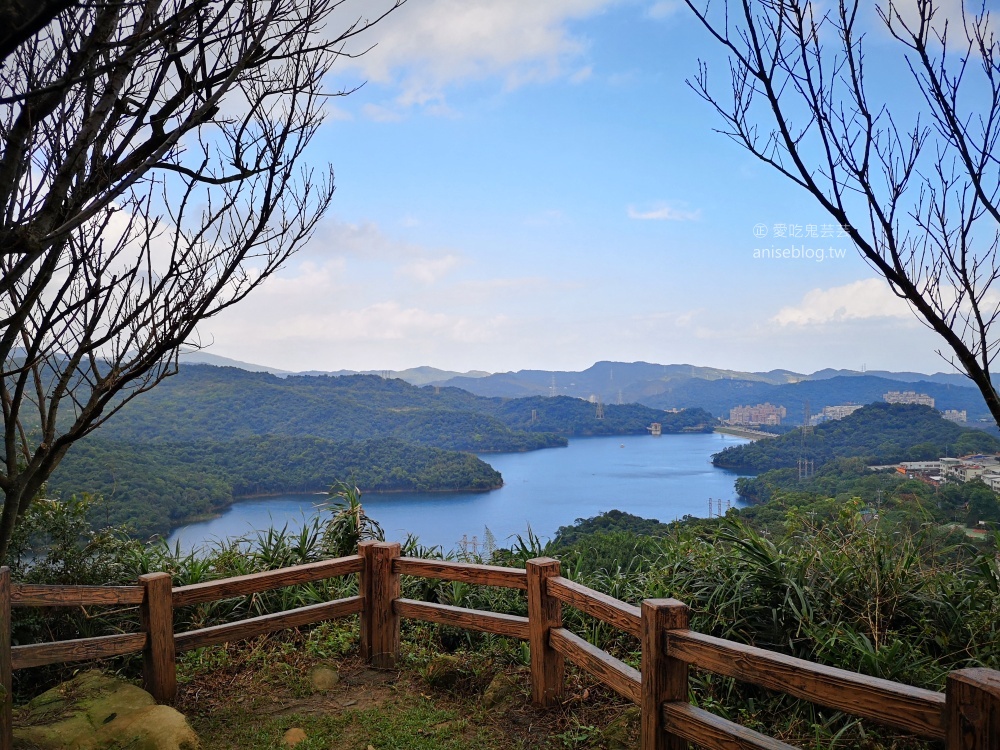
(94, 711)
(323, 679)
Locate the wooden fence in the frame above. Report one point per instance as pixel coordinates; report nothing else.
(965, 717)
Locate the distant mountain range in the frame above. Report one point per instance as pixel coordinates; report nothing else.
(682, 386)
(414, 375)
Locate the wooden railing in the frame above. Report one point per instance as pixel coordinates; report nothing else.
(965, 717)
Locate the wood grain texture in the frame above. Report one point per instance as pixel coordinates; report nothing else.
(462, 617)
(81, 649)
(912, 709)
(383, 591)
(253, 583)
(159, 669)
(32, 595)
(365, 592)
(973, 710)
(605, 608)
(6, 664)
(254, 626)
(712, 732)
(544, 615)
(483, 575)
(616, 674)
(664, 678)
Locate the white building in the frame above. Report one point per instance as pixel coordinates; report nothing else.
(908, 397)
(840, 411)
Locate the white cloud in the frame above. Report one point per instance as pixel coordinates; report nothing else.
(425, 47)
(362, 240)
(664, 9)
(332, 112)
(429, 270)
(663, 212)
(480, 292)
(380, 113)
(582, 74)
(860, 300)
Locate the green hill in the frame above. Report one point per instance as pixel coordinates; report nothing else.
(154, 486)
(223, 403)
(212, 434)
(880, 433)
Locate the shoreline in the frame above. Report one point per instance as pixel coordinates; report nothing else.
(744, 433)
(201, 518)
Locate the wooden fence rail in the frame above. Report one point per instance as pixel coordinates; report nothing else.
(966, 716)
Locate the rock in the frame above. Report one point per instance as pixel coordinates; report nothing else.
(94, 711)
(501, 688)
(323, 679)
(293, 737)
(443, 671)
(621, 733)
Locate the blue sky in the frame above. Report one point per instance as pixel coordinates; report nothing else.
(533, 185)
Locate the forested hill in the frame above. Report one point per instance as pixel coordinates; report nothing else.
(880, 433)
(208, 435)
(155, 486)
(222, 403)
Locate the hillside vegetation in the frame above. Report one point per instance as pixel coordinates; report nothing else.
(831, 584)
(221, 403)
(880, 433)
(154, 486)
(210, 435)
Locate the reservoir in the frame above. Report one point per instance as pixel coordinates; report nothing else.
(665, 477)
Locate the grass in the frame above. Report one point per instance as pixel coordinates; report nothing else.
(249, 694)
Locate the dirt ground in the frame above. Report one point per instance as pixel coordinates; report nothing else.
(342, 704)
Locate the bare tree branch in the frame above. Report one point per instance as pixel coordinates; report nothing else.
(921, 202)
(152, 175)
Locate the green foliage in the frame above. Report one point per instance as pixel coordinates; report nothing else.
(574, 417)
(55, 543)
(982, 504)
(223, 403)
(209, 435)
(154, 486)
(349, 524)
(857, 581)
(612, 520)
(880, 433)
(907, 502)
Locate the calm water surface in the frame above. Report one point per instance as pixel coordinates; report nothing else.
(663, 477)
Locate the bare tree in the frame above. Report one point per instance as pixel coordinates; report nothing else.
(918, 194)
(151, 176)
(21, 19)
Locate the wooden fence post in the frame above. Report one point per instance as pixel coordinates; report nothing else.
(973, 709)
(6, 669)
(364, 591)
(159, 669)
(544, 614)
(664, 679)
(379, 588)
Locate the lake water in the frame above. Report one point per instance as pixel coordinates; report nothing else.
(664, 477)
